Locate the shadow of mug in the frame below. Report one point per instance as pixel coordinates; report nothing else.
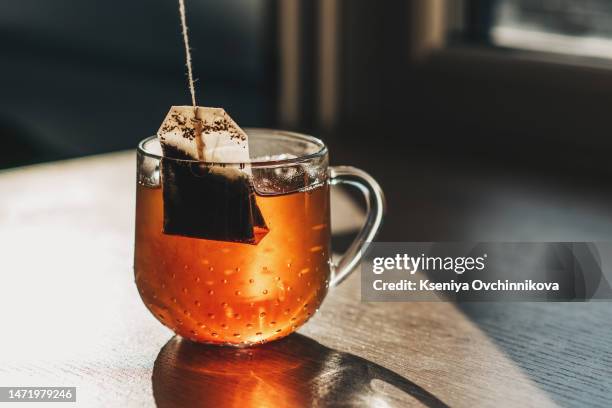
(292, 372)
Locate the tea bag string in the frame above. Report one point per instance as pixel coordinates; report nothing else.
(196, 120)
(187, 54)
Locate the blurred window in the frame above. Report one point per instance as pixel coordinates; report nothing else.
(573, 27)
(579, 27)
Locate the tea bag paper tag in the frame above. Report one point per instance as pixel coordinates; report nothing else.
(220, 139)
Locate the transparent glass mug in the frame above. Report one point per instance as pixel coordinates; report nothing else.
(239, 294)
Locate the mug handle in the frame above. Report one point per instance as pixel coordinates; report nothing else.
(375, 200)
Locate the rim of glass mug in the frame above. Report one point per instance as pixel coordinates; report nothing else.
(257, 132)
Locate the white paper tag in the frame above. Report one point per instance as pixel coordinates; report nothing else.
(221, 139)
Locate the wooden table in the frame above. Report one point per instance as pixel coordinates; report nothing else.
(71, 316)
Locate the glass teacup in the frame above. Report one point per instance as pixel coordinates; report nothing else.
(239, 294)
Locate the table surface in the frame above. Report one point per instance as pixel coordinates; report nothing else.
(72, 317)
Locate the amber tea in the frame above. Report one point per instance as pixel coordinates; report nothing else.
(225, 292)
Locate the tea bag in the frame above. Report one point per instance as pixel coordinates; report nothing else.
(204, 198)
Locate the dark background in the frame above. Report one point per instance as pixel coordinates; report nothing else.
(84, 77)
(468, 138)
